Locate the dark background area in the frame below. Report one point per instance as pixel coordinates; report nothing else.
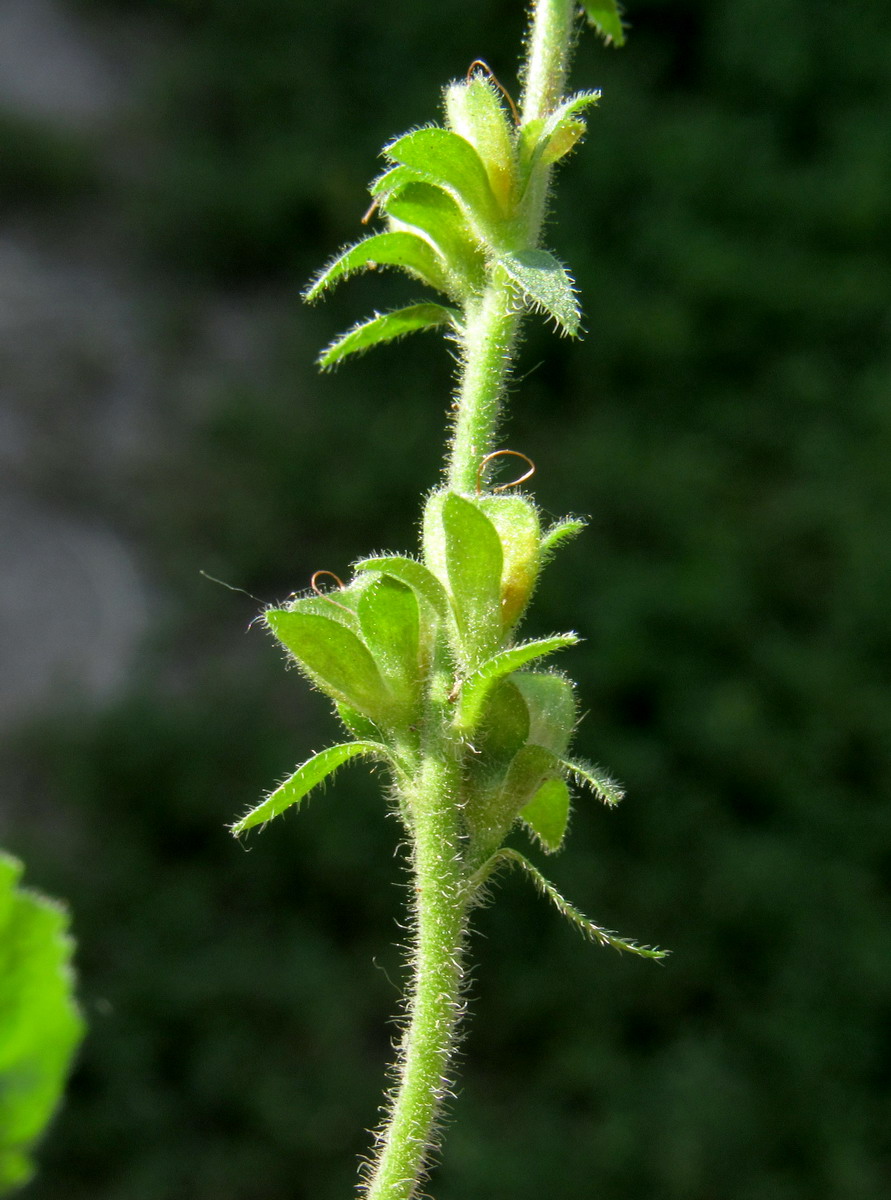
(726, 423)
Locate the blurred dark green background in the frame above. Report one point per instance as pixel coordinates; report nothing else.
(726, 423)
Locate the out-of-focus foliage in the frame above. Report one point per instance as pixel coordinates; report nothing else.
(40, 164)
(726, 423)
(40, 1026)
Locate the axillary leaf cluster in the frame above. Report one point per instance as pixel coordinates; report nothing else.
(460, 203)
(414, 651)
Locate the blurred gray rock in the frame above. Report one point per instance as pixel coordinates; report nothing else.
(73, 609)
(50, 69)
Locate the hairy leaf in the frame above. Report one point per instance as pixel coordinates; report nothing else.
(386, 327)
(441, 157)
(545, 285)
(405, 250)
(391, 183)
(516, 520)
(563, 129)
(429, 211)
(595, 933)
(473, 562)
(526, 773)
(362, 729)
(476, 687)
(547, 814)
(603, 787)
(550, 699)
(475, 110)
(307, 776)
(335, 658)
(388, 612)
(504, 727)
(560, 532)
(413, 573)
(606, 17)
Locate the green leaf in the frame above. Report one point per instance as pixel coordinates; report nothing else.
(512, 858)
(362, 729)
(603, 787)
(405, 250)
(429, 211)
(307, 776)
(441, 157)
(563, 129)
(606, 17)
(516, 521)
(504, 728)
(335, 659)
(386, 327)
(415, 574)
(550, 699)
(391, 182)
(388, 613)
(547, 814)
(545, 286)
(568, 108)
(476, 688)
(473, 563)
(560, 532)
(475, 111)
(530, 765)
(548, 139)
(40, 1026)
(491, 810)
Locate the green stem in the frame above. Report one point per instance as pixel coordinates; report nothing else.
(442, 888)
(488, 345)
(442, 897)
(491, 326)
(547, 63)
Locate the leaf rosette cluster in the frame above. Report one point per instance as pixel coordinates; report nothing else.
(461, 205)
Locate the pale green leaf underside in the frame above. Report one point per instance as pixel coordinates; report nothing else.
(603, 787)
(413, 573)
(477, 687)
(530, 766)
(547, 814)
(308, 776)
(441, 157)
(386, 327)
(427, 210)
(40, 1026)
(606, 17)
(390, 620)
(545, 285)
(334, 657)
(394, 249)
(550, 699)
(508, 857)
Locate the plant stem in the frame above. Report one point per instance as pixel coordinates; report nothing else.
(488, 345)
(547, 61)
(442, 897)
(442, 888)
(491, 328)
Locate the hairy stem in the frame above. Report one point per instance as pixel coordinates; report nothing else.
(547, 59)
(488, 345)
(443, 890)
(490, 334)
(442, 896)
